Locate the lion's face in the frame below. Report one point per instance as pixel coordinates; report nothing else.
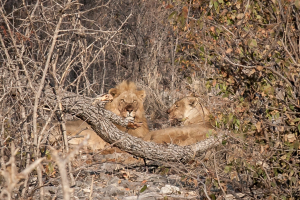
(186, 110)
(179, 111)
(127, 104)
(127, 100)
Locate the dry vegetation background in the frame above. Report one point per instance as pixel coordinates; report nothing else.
(241, 57)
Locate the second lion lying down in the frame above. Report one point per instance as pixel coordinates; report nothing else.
(195, 119)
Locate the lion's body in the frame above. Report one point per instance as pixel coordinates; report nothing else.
(73, 128)
(128, 102)
(182, 136)
(194, 118)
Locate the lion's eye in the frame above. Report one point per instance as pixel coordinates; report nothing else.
(134, 101)
(122, 100)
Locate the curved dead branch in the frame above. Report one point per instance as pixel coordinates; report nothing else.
(101, 122)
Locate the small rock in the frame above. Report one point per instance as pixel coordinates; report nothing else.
(158, 180)
(110, 167)
(169, 189)
(114, 180)
(231, 197)
(50, 189)
(113, 191)
(192, 193)
(131, 185)
(87, 190)
(146, 196)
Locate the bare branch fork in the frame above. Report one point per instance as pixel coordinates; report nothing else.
(101, 122)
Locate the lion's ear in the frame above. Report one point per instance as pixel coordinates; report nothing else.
(192, 102)
(141, 94)
(113, 92)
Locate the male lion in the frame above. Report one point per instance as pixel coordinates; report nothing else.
(195, 119)
(128, 102)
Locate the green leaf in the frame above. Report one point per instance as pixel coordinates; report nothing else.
(294, 180)
(227, 169)
(143, 189)
(211, 3)
(283, 197)
(213, 197)
(252, 43)
(297, 4)
(220, 1)
(210, 132)
(216, 5)
(202, 49)
(172, 15)
(200, 24)
(296, 142)
(229, 22)
(273, 184)
(292, 107)
(296, 120)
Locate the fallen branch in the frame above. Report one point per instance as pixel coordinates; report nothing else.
(102, 121)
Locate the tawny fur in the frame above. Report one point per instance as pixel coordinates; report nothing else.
(182, 136)
(128, 102)
(188, 110)
(73, 128)
(195, 120)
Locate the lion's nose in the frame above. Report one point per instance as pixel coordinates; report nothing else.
(129, 108)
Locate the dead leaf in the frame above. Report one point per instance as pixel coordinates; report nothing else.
(223, 12)
(209, 17)
(258, 126)
(169, 6)
(240, 16)
(259, 68)
(262, 149)
(290, 138)
(283, 157)
(229, 50)
(214, 83)
(277, 144)
(250, 72)
(281, 128)
(234, 175)
(185, 11)
(280, 95)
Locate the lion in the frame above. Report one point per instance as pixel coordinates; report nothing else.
(194, 118)
(182, 136)
(188, 110)
(83, 129)
(128, 102)
(76, 128)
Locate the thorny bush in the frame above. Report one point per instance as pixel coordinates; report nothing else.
(254, 46)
